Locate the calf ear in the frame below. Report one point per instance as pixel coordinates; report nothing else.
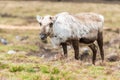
(39, 18)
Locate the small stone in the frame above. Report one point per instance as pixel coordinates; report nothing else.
(112, 57)
(85, 49)
(43, 56)
(3, 41)
(24, 38)
(85, 54)
(18, 37)
(11, 52)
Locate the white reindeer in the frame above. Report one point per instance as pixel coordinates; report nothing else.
(78, 30)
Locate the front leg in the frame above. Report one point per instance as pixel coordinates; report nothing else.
(64, 46)
(75, 44)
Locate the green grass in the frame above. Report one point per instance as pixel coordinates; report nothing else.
(16, 68)
(47, 71)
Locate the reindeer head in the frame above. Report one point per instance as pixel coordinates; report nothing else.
(46, 24)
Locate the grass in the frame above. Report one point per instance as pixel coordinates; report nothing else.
(27, 63)
(52, 70)
(26, 66)
(24, 12)
(17, 45)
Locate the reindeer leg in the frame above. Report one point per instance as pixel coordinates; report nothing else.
(75, 44)
(93, 47)
(100, 44)
(64, 46)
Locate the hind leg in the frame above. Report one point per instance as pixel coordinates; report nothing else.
(100, 44)
(93, 47)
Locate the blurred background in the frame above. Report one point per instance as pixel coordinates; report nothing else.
(24, 57)
(20, 12)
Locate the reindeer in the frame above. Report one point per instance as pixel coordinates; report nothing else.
(77, 30)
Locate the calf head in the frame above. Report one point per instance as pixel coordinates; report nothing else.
(46, 25)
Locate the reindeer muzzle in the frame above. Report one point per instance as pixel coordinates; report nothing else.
(43, 37)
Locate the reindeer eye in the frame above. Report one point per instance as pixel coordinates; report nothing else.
(51, 18)
(51, 24)
(40, 24)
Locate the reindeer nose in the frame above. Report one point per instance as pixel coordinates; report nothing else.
(42, 36)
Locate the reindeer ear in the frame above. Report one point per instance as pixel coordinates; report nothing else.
(52, 18)
(39, 18)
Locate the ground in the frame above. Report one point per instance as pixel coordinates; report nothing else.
(34, 60)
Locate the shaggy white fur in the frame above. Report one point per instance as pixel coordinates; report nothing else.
(67, 26)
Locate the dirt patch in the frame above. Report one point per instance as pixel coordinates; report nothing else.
(19, 27)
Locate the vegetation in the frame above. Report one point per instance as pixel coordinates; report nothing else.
(34, 60)
(24, 12)
(28, 62)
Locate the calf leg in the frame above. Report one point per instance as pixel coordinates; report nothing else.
(75, 44)
(64, 46)
(93, 47)
(100, 44)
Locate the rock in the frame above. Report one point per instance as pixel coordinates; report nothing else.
(85, 49)
(24, 38)
(43, 56)
(3, 41)
(18, 38)
(11, 52)
(112, 57)
(85, 54)
(21, 38)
